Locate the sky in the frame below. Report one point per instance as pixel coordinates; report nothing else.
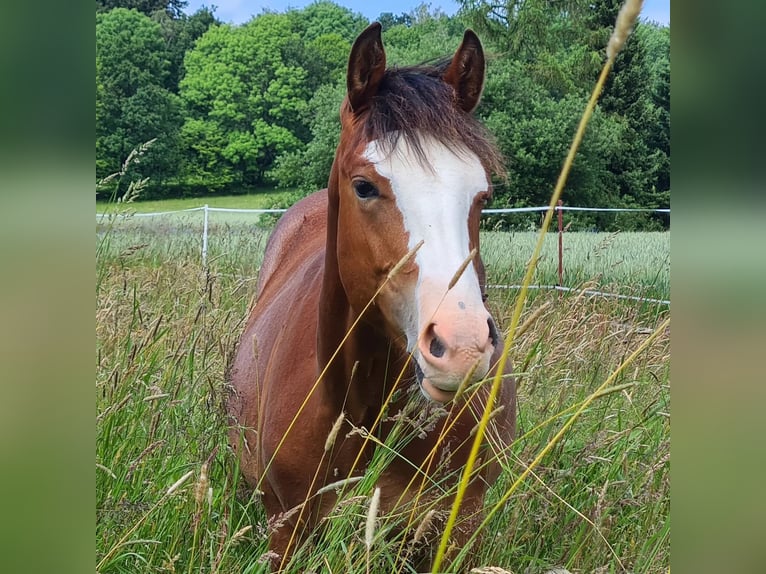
(240, 11)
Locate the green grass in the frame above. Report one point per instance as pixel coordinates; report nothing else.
(259, 200)
(165, 330)
(634, 263)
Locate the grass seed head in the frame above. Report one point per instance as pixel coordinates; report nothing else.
(372, 515)
(461, 269)
(200, 490)
(241, 532)
(626, 19)
(178, 483)
(424, 526)
(403, 261)
(333, 434)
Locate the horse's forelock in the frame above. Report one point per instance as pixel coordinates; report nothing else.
(414, 103)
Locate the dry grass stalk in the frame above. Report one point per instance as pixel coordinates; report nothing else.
(115, 407)
(178, 483)
(461, 269)
(532, 318)
(147, 451)
(106, 470)
(492, 415)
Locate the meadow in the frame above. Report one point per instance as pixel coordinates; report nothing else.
(169, 495)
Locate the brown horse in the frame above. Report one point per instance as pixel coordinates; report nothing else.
(397, 227)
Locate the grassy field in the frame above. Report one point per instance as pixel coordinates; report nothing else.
(260, 200)
(598, 502)
(635, 264)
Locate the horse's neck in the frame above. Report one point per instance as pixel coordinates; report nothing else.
(358, 360)
(355, 356)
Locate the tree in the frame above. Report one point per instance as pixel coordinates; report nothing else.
(246, 91)
(389, 19)
(534, 130)
(325, 59)
(308, 169)
(327, 31)
(636, 91)
(173, 8)
(132, 104)
(428, 36)
(547, 54)
(550, 37)
(180, 33)
(323, 17)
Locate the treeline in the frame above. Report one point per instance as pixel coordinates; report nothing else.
(242, 108)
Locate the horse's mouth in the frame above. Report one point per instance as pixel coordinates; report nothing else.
(431, 391)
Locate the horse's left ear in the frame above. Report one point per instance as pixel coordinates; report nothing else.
(466, 72)
(366, 66)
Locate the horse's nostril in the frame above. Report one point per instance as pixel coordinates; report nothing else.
(437, 347)
(494, 337)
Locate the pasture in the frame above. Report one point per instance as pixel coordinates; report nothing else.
(169, 496)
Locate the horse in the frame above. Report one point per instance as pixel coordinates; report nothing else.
(371, 296)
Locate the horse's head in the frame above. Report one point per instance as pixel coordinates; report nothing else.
(414, 165)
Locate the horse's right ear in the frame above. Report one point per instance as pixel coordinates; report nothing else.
(366, 66)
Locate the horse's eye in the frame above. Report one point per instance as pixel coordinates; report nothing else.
(364, 189)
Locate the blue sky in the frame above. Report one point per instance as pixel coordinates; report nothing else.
(240, 11)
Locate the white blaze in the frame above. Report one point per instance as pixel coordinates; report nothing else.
(435, 203)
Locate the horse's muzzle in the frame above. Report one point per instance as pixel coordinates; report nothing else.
(450, 358)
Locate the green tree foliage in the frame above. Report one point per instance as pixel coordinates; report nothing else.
(549, 37)
(173, 8)
(238, 107)
(132, 104)
(427, 35)
(309, 168)
(246, 91)
(324, 18)
(636, 94)
(180, 33)
(327, 31)
(248, 94)
(534, 131)
(389, 19)
(546, 55)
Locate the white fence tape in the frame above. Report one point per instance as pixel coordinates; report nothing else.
(585, 291)
(498, 210)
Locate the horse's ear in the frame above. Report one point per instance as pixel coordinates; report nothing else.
(465, 72)
(366, 66)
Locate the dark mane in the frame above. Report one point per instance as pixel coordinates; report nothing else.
(413, 102)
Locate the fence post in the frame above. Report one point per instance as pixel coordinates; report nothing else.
(204, 236)
(561, 242)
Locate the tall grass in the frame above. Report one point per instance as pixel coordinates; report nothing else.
(165, 330)
(633, 263)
